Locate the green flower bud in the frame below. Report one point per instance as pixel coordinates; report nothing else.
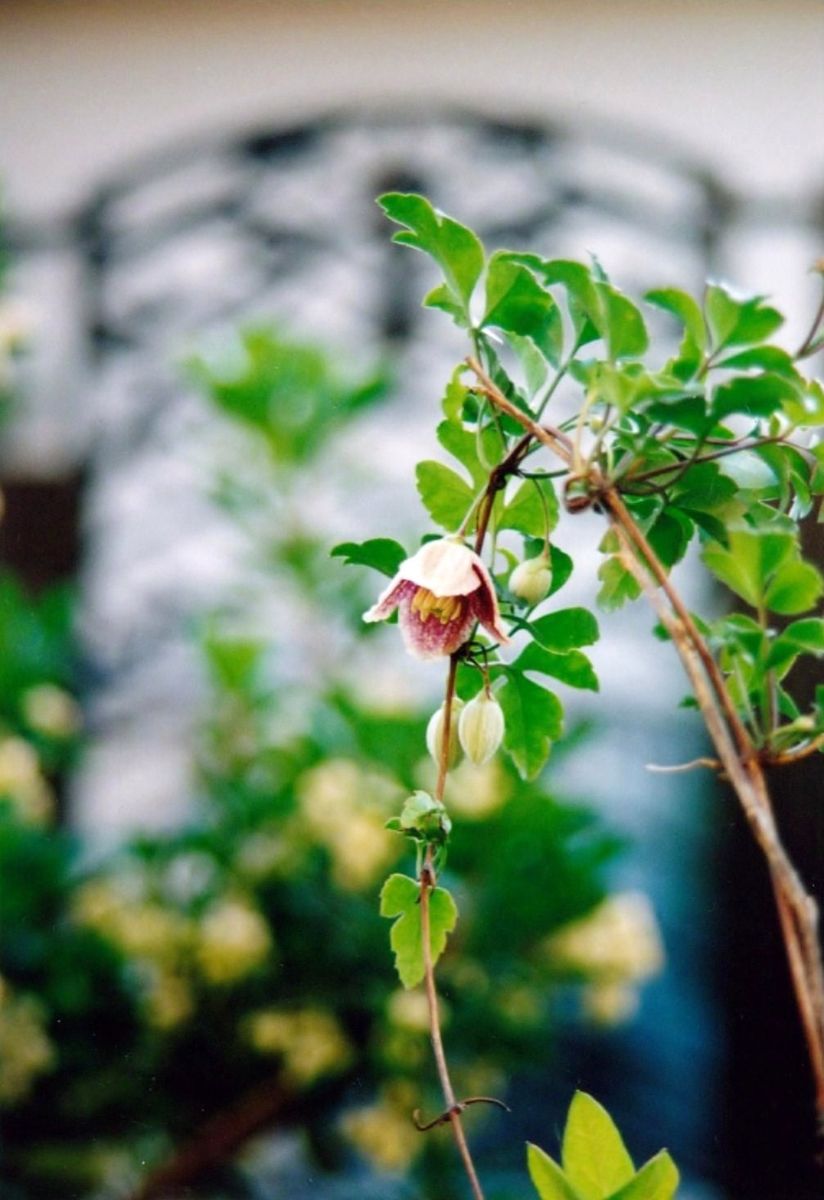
(434, 734)
(481, 728)
(531, 580)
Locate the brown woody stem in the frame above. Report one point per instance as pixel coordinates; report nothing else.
(738, 758)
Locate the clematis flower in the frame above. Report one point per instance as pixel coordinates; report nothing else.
(441, 592)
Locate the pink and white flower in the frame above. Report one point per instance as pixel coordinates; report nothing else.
(441, 592)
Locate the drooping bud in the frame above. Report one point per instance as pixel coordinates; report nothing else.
(481, 728)
(434, 734)
(532, 579)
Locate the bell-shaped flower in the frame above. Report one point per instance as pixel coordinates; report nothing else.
(440, 592)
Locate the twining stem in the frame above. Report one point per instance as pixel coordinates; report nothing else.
(427, 882)
(738, 757)
(454, 1112)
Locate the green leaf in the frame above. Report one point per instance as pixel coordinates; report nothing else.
(684, 412)
(593, 1153)
(800, 637)
(382, 554)
(794, 589)
(658, 1179)
(752, 558)
(550, 1181)
(400, 897)
(526, 512)
(571, 667)
(445, 495)
(577, 280)
(763, 567)
(694, 343)
(516, 303)
(455, 395)
(566, 629)
(703, 488)
(762, 358)
(748, 472)
(290, 393)
(562, 567)
(617, 585)
(533, 363)
(738, 322)
(533, 721)
(808, 406)
(670, 536)
(454, 248)
(755, 396)
(464, 445)
(622, 324)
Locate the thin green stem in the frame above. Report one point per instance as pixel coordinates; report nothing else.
(559, 375)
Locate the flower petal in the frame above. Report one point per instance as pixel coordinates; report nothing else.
(389, 599)
(484, 605)
(432, 638)
(445, 567)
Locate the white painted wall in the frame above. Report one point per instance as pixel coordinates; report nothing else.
(87, 84)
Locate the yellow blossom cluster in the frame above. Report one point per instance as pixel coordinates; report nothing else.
(50, 710)
(172, 949)
(309, 1040)
(233, 940)
(383, 1132)
(617, 946)
(345, 809)
(25, 1048)
(16, 323)
(410, 1010)
(22, 782)
(477, 792)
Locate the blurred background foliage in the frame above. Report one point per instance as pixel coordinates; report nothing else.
(163, 1005)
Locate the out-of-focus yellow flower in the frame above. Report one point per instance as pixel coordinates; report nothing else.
(143, 928)
(233, 939)
(479, 1078)
(402, 1050)
(17, 320)
(476, 792)
(25, 1048)
(168, 999)
(519, 1004)
(383, 1132)
(51, 710)
(619, 940)
(410, 1010)
(618, 946)
(610, 1003)
(362, 850)
(345, 809)
(467, 974)
(310, 1040)
(22, 782)
(267, 853)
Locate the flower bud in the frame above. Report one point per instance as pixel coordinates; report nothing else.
(434, 734)
(531, 580)
(481, 728)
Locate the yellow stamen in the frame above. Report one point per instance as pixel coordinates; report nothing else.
(444, 608)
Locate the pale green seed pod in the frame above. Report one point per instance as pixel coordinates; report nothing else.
(481, 728)
(531, 580)
(434, 734)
